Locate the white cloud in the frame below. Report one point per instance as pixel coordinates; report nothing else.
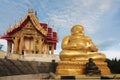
(108, 44)
(111, 48)
(81, 12)
(112, 54)
(57, 20)
(88, 3)
(105, 6)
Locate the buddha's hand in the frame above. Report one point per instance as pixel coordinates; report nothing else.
(83, 47)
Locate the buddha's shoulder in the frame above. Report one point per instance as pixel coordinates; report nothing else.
(66, 37)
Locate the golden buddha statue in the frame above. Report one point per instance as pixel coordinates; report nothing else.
(73, 45)
(76, 50)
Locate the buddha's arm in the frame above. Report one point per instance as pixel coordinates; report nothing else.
(66, 45)
(65, 42)
(92, 47)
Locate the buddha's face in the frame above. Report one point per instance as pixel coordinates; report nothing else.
(77, 29)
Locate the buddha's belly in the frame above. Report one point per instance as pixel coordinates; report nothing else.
(77, 43)
(73, 55)
(72, 52)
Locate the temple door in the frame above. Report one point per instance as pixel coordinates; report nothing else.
(29, 44)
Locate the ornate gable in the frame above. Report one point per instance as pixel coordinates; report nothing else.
(29, 18)
(29, 28)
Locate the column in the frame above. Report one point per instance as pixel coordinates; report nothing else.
(47, 50)
(15, 49)
(40, 46)
(35, 41)
(35, 45)
(9, 47)
(21, 45)
(52, 52)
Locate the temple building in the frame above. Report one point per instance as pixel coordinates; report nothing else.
(30, 36)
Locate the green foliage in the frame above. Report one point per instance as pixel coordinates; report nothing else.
(114, 65)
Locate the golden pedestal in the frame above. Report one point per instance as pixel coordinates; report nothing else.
(78, 68)
(70, 68)
(103, 68)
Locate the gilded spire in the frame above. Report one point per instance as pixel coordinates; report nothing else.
(30, 10)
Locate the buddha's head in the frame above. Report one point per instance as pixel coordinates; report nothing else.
(77, 29)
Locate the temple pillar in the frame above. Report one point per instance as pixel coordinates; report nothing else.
(34, 45)
(9, 47)
(15, 48)
(35, 42)
(47, 48)
(52, 51)
(21, 45)
(40, 46)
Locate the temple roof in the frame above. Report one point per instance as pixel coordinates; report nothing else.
(24, 21)
(51, 36)
(41, 27)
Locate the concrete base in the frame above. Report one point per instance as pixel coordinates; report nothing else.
(52, 76)
(35, 57)
(41, 57)
(31, 57)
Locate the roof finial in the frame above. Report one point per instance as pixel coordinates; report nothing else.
(30, 10)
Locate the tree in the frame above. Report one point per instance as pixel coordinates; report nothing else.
(114, 65)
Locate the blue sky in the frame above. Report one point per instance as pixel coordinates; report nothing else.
(100, 18)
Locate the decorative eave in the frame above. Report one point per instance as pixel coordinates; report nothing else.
(6, 37)
(51, 36)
